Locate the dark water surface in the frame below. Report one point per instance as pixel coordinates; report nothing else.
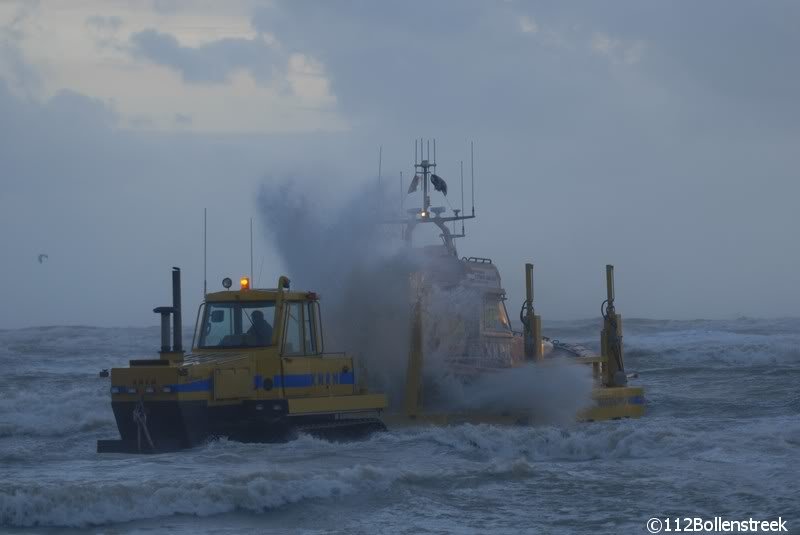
(721, 438)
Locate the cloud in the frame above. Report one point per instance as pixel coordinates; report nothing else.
(110, 23)
(617, 50)
(307, 80)
(155, 64)
(115, 207)
(182, 119)
(210, 63)
(723, 57)
(387, 60)
(685, 146)
(40, 141)
(20, 76)
(528, 24)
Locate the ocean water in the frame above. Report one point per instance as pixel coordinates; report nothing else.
(721, 438)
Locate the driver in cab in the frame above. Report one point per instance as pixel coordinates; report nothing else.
(260, 332)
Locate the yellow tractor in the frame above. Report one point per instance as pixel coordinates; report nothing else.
(257, 371)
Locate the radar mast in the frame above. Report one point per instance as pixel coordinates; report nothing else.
(425, 179)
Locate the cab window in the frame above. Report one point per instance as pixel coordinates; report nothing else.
(240, 324)
(316, 321)
(309, 323)
(495, 317)
(293, 335)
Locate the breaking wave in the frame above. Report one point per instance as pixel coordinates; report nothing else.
(80, 504)
(465, 451)
(722, 397)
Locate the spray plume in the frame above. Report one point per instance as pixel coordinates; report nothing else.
(363, 272)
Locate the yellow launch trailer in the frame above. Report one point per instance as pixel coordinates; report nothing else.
(611, 396)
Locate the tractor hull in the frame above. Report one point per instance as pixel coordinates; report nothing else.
(176, 425)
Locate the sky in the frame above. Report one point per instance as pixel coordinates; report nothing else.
(661, 137)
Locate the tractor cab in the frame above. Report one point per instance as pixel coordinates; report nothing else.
(259, 318)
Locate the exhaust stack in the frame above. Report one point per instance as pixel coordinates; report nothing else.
(175, 353)
(165, 312)
(177, 329)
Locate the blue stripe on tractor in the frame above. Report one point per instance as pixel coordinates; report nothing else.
(305, 380)
(203, 385)
(636, 400)
(300, 380)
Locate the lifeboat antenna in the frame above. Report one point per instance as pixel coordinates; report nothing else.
(401, 193)
(251, 249)
(380, 182)
(425, 165)
(205, 252)
(472, 172)
(462, 197)
(380, 162)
